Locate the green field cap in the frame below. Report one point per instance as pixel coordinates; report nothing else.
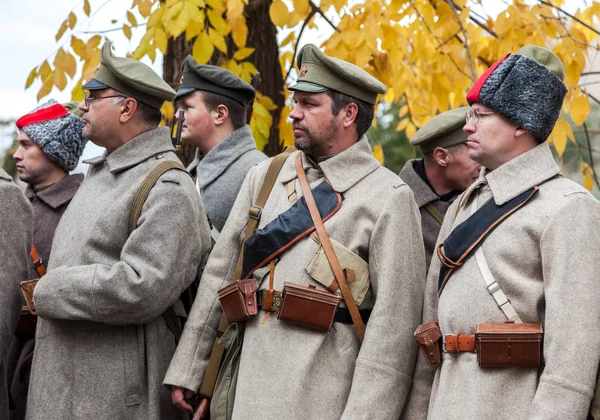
(545, 57)
(214, 79)
(130, 77)
(318, 73)
(443, 130)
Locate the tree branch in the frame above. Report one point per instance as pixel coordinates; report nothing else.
(320, 12)
(589, 145)
(104, 31)
(313, 11)
(588, 73)
(466, 39)
(547, 3)
(594, 98)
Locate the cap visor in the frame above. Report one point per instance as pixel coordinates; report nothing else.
(94, 85)
(184, 91)
(308, 87)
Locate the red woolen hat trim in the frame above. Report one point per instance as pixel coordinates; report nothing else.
(45, 114)
(473, 95)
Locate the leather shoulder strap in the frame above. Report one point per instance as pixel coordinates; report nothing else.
(329, 252)
(37, 261)
(146, 186)
(434, 212)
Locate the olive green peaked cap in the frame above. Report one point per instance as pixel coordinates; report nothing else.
(131, 77)
(214, 79)
(545, 57)
(317, 73)
(443, 130)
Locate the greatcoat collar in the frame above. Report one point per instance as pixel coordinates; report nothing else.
(517, 175)
(210, 166)
(343, 170)
(422, 192)
(136, 150)
(58, 193)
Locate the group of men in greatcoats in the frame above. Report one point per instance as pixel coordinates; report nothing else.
(317, 281)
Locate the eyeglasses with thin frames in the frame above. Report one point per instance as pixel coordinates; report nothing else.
(87, 98)
(476, 115)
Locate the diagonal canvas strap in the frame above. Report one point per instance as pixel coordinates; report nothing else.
(491, 285)
(435, 213)
(329, 252)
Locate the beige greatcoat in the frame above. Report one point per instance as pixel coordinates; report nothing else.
(546, 259)
(424, 195)
(290, 372)
(16, 230)
(102, 346)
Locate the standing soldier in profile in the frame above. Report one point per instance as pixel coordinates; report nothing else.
(50, 144)
(103, 340)
(215, 102)
(445, 171)
(310, 364)
(16, 226)
(514, 286)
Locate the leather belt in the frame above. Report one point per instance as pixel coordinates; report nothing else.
(341, 315)
(453, 343)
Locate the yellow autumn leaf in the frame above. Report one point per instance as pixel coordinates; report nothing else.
(144, 7)
(410, 131)
(61, 31)
(70, 65)
(195, 26)
(127, 31)
(86, 7)
(59, 79)
(45, 71)
(279, 13)
(402, 124)
(79, 47)
(217, 21)
(160, 40)
(559, 136)
(389, 96)
(378, 153)
(286, 133)
(155, 18)
(77, 93)
(588, 180)
(93, 42)
(239, 31)
(203, 48)
(218, 40)
(32, 75)
(46, 88)
(72, 20)
(131, 19)
(580, 108)
(243, 53)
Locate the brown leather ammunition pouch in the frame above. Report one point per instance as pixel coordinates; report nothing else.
(26, 325)
(509, 345)
(308, 306)
(239, 300)
(428, 337)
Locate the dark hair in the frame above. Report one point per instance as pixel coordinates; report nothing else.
(366, 111)
(148, 114)
(237, 112)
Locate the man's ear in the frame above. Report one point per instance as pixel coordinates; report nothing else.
(221, 113)
(128, 108)
(520, 131)
(441, 156)
(350, 114)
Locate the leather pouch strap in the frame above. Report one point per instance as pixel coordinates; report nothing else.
(328, 248)
(458, 343)
(37, 261)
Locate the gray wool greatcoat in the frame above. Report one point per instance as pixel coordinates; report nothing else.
(221, 172)
(102, 346)
(16, 227)
(423, 196)
(290, 372)
(545, 257)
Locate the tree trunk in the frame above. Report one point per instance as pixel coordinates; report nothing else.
(262, 35)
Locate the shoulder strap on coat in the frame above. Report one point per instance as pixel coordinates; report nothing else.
(434, 212)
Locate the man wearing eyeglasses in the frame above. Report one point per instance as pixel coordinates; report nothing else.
(102, 343)
(445, 171)
(515, 287)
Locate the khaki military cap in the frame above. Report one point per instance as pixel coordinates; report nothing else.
(214, 79)
(545, 57)
(131, 77)
(319, 73)
(443, 130)
(73, 108)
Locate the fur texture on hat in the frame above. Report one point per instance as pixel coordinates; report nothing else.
(524, 91)
(61, 138)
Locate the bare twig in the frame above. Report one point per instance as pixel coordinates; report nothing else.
(594, 98)
(484, 26)
(589, 145)
(104, 31)
(313, 11)
(320, 12)
(466, 39)
(588, 73)
(547, 3)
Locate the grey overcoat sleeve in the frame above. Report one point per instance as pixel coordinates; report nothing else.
(158, 261)
(382, 374)
(193, 351)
